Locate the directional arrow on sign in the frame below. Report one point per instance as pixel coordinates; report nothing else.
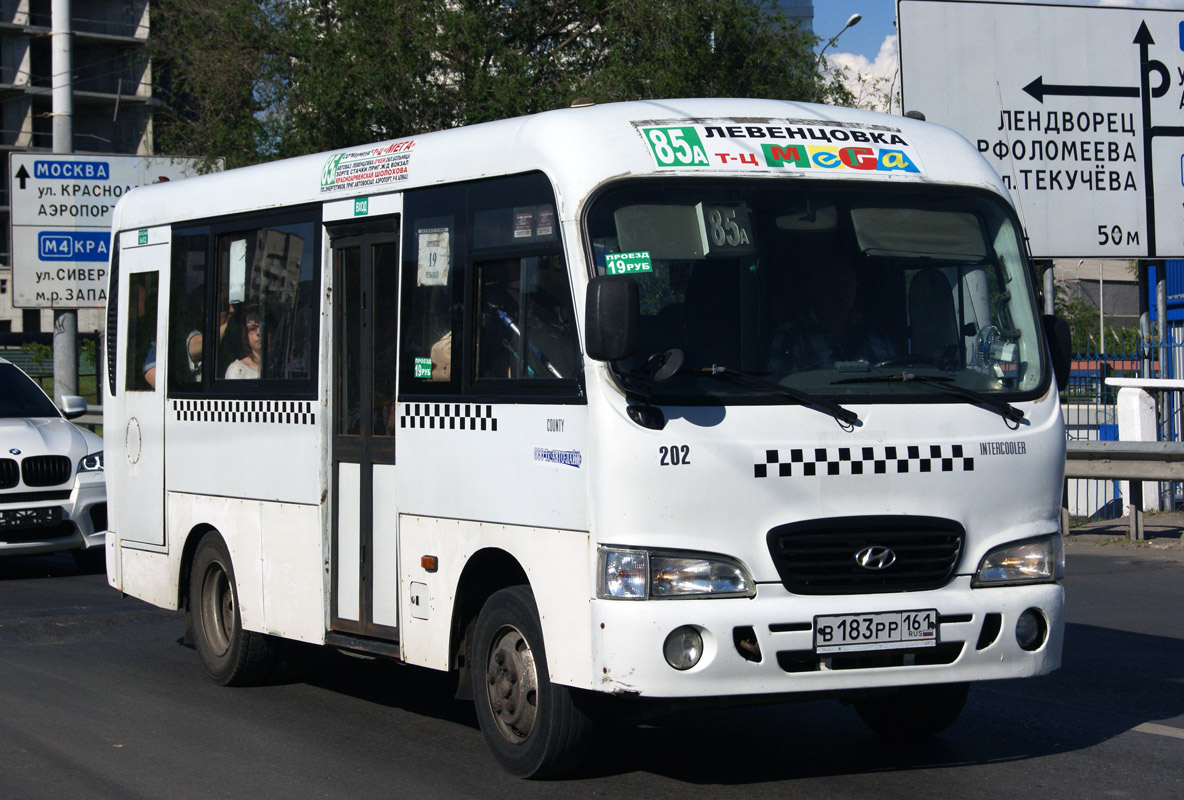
(22, 175)
(1039, 89)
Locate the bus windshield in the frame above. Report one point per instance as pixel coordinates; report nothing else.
(891, 292)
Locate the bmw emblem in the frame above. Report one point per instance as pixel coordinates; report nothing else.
(875, 557)
(14, 451)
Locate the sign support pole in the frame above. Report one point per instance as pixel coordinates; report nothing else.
(65, 321)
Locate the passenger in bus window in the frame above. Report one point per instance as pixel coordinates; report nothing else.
(250, 363)
(828, 328)
(149, 368)
(193, 351)
(186, 356)
(441, 354)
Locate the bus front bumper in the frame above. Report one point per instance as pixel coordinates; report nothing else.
(765, 644)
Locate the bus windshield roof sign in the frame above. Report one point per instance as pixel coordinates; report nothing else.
(777, 145)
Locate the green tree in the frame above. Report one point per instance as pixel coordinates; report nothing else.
(252, 80)
(211, 60)
(1082, 316)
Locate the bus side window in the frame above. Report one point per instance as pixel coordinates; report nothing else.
(265, 306)
(500, 343)
(187, 310)
(527, 327)
(430, 303)
(141, 332)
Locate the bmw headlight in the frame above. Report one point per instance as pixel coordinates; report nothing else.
(1030, 561)
(91, 463)
(641, 575)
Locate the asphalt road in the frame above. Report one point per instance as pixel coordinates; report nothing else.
(100, 699)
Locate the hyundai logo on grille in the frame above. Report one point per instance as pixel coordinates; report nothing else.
(875, 557)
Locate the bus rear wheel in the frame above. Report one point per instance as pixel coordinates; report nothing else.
(230, 655)
(533, 727)
(914, 712)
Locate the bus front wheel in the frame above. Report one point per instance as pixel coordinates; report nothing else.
(533, 726)
(230, 655)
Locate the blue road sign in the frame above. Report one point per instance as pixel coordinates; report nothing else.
(71, 170)
(73, 246)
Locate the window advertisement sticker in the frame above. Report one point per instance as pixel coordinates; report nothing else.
(423, 368)
(524, 222)
(434, 257)
(628, 263)
(238, 271)
(545, 221)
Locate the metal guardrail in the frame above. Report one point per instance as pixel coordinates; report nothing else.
(1127, 461)
(91, 419)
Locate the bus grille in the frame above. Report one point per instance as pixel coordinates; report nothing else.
(820, 556)
(10, 474)
(45, 470)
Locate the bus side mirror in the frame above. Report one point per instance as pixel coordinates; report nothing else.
(1060, 347)
(612, 310)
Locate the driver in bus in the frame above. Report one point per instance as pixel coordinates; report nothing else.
(829, 328)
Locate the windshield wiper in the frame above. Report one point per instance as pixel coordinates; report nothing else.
(947, 384)
(751, 381)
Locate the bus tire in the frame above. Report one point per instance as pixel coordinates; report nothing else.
(533, 726)
(230, 655)
(913, 712)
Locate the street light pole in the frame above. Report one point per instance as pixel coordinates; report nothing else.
(65, 320)
(852, 21)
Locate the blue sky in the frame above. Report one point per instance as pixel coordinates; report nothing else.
(866, 37)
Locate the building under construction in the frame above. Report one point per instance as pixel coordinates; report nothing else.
(112, 99)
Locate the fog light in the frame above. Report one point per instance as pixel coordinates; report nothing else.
(1031, 630)
(683, 647)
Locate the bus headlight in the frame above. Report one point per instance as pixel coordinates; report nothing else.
(1031, 561)
(640, 574)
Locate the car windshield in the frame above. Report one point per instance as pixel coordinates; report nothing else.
(20, 396)
(896, 292)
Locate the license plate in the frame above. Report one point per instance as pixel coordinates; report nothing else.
(891, 630)
(30, 517)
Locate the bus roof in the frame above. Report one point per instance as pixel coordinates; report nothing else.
(580, 148)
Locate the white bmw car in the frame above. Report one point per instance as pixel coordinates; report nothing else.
(52, 494)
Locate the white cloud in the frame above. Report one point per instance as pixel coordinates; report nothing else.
(870, 81)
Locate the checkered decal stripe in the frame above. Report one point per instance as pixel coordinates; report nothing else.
(811, 461)
(277, 412)
(448, 416)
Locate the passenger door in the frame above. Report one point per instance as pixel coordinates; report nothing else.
(135, 471)
(365, 325)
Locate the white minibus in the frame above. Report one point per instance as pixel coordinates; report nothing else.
(606, 410)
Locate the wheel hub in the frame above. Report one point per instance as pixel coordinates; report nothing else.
(511, 683)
